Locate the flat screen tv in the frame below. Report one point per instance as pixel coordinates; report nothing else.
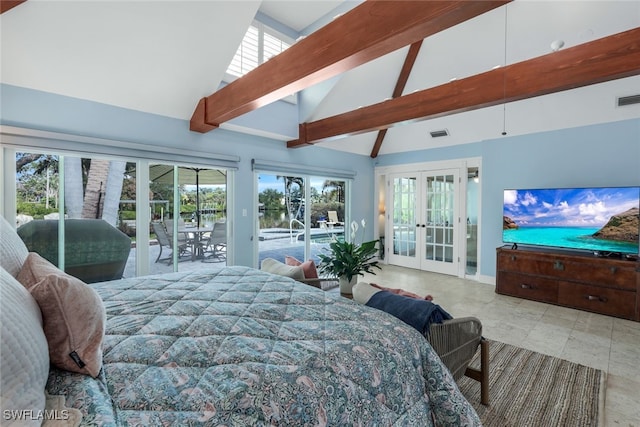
(602, 220)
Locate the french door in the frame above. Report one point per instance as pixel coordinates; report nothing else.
(424, 220)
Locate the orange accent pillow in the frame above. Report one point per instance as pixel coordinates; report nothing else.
(73, 315)
(308, 267)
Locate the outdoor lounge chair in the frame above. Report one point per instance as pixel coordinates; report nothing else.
(333, 219)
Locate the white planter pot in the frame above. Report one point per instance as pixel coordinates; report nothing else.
(346, 286)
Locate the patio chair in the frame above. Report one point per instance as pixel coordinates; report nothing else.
(165, 239)
(215, 245)
(333, 219)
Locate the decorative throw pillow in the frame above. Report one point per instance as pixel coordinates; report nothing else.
(13, 251)
(273, 266)
(24, 356)
(308, 267)
(73, 315)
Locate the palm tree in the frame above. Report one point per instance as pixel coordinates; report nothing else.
(336, 191)
(290, 195)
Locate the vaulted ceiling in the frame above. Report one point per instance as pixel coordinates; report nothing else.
(163, 57)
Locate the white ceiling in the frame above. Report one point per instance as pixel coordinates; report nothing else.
(162, 56)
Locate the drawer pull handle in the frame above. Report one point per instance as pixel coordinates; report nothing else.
(596, 298)
(614, 269)
(558, 266)
(513, 257)
(525, 286)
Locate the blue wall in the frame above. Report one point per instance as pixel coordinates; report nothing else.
(598, 155)
(590, 156)
(50, 112)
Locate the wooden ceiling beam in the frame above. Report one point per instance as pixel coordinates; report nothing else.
(6, 5)
(605, 59)
(405, 72)
(369, 31)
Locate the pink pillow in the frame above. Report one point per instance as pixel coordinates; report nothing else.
(308, 267)
(402, 292)
(72, 312)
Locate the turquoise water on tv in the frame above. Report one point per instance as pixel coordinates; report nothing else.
(566, 237)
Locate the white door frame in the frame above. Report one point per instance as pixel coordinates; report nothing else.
(383, 200)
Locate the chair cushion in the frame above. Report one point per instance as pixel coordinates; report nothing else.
(24, 356)
(73, 313)
(13, 251)
(273, 266)
(308, 267)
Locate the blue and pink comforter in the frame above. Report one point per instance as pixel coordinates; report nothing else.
(237, 346)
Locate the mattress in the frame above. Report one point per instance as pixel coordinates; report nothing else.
(238, 346)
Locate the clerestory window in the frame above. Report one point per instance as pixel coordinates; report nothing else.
(260, 43)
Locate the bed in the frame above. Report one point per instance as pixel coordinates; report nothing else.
(238, 346)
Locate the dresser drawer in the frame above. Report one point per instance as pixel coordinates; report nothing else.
(596, 271)
(526, 286)
(613, 302)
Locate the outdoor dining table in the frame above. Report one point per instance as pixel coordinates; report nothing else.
(196, 234)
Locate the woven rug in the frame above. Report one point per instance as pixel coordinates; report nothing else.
(532, 389)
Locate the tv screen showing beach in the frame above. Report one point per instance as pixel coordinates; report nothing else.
(594, 219)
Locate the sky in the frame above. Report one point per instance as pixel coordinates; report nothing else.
(265, 182)
(586, 207)
(272, 181)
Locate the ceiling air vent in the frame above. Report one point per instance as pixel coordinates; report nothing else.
(628, 100)
(439, 133)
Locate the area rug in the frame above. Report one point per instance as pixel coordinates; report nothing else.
(532, 389)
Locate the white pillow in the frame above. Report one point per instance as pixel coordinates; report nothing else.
(24, 355)
(13, 251)
(273, 266)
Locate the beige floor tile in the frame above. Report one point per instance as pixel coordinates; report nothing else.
(624, 360)
(622, 400)
(547, 339)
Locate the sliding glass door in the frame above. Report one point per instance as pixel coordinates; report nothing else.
(298, 215)
(101, 219)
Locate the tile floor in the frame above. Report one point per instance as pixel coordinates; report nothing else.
(602, 342)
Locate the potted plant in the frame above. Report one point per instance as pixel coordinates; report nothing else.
(346, 260)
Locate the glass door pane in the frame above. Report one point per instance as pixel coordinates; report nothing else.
(281, 217)
(327, 214)
(188, 217)
(404, 221)
(473, 192)
(98, 235)
(37, 203)
(440, 220)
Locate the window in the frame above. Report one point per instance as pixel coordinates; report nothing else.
(260, 44)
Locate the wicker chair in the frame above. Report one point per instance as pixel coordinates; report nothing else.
(456, 342)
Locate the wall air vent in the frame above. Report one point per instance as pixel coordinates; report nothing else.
(439, 133)
(628, 100)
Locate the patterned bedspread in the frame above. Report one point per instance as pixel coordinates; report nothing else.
(241, 347)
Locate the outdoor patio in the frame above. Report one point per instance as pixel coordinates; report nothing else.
(274, 243)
